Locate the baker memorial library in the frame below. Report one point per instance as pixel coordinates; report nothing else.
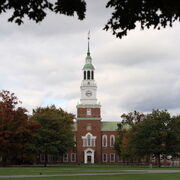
(94, 138)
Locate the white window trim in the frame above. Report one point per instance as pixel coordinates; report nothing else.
(92, 140)
(104, 145)
(74, 157)
(112, 136)
(113, 158)
(103, 157)
(65, 160)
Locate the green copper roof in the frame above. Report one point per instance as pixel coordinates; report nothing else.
(88, 66)
(105, 126)
(109, 126)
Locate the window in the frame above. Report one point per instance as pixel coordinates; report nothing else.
(73, 157)
(112, 157)
(112, 140)
(104, 140)
(84, 75)
(88, 112)
(89, 140)
(104, 157)
(74, 141)
(88, 75)
(92, 74)
(65, 157)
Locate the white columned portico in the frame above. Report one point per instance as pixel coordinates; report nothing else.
(89, 156)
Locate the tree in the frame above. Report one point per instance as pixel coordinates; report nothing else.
(126, 14)
(123, 145)
(132, 118)
(156, 136)
(36, 10)
(55, 136)
(173, 137)
(148, 13)
(15, 130)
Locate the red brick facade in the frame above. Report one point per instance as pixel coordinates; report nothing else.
(91, 124)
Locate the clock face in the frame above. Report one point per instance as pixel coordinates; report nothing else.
(88, 93)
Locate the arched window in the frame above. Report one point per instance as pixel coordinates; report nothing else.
(112, 140)
(104, 140)
(84, 75)
(88, 75)
(88, 140)
(92, 74)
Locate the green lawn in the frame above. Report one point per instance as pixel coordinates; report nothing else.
(74, 169)
(112, 177)
(65, 169)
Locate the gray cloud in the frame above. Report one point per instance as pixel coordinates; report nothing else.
(42, 63)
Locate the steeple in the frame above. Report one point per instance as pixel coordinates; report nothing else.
(88, 57)
(88, 52)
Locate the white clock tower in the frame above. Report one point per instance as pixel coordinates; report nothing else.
(88, 85)
(88, 100)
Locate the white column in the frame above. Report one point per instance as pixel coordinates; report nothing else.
(85, 157)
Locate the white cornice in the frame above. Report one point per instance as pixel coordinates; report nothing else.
(88, 106)
(84, 118)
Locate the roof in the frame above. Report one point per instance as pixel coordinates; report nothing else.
(109, 126)
(88, 66)
(106, 126)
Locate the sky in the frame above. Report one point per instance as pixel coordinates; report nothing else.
(42, 63)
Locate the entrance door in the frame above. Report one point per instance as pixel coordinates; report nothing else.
(88, 159)
(89, 156)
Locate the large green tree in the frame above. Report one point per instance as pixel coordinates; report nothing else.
(55, 136)
(123, 145)
(16, 130)
(132, 118)
(125, 16)
(157, 136)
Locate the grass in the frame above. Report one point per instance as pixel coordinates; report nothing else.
(65, 169)
(112, 177)
(74, 169)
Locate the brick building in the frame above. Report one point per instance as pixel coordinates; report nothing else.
(94, 138)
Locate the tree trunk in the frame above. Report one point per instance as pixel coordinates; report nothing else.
(158, 160)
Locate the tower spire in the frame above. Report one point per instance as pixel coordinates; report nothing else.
(88, 53)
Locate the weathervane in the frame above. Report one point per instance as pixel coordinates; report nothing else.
(88, 53)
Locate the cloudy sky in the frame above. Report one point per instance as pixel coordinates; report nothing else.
(42, 63)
